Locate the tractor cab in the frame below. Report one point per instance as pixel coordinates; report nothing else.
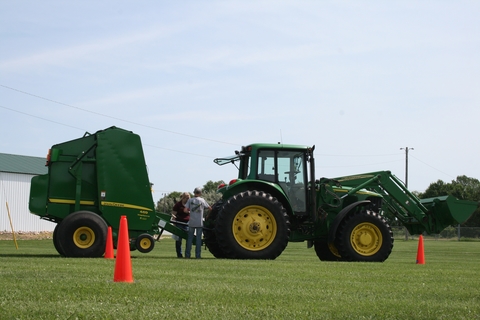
(289, 167)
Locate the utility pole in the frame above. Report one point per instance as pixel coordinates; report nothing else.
(406, 177)
(406, 164)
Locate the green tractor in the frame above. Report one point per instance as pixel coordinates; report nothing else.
(276, 199)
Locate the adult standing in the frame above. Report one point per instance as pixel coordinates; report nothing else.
(195, 206)
(182, 217)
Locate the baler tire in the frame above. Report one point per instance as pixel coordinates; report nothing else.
(209, 235)
(56, 241)
(252, 225)
(83, 234)
(324, 252)
(364, 236)
(144, 243)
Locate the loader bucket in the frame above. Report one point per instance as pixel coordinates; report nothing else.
(448, 210)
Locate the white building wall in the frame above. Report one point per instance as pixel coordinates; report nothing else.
(15, 190)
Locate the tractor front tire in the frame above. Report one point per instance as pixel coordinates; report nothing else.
(252, 225)
(83, 234)
(364, 236)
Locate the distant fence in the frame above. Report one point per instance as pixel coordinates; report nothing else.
(450, 233)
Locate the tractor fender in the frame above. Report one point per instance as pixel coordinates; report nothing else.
(259, 185)
(338, 219)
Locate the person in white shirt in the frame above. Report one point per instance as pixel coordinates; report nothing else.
(195, 206)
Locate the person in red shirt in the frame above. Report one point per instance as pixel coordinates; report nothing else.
(181, 216)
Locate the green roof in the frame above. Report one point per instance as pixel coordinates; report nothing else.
(22, 164)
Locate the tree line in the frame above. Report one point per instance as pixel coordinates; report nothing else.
(463, 188)
(209, 193)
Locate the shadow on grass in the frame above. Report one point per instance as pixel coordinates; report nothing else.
(30, 255)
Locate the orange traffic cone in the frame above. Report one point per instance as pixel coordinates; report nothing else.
(123, 263)
(109, 246)
(420, 253)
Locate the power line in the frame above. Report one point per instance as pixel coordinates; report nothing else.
(31, 115)
(357, 165)
(199, 155)
(356, 155)
(189, 153)
(433, 167)
(205, 156)
(191, 136)
(115, 118)
(66, 125)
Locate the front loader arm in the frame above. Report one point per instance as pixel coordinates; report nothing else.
(418, 216)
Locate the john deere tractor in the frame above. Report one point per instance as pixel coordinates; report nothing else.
(276, 199)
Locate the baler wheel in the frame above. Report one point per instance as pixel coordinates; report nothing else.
(364, 236)
(83, 234)
(145, 243)
(252, 225)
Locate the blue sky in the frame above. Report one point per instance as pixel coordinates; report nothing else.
(198, 79)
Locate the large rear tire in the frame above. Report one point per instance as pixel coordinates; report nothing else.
(83, 234)
(209, 235)
(364, 236)
(56, 240)
(252, 225)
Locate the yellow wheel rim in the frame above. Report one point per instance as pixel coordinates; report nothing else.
(84, 237)
(366, 239)
(145, 243)
(254, 228)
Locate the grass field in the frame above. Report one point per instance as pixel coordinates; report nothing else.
(36, 283)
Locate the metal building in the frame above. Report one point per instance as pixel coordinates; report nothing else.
(15, 174)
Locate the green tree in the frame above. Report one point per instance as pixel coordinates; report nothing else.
(211, 186)
(166, 203)
(463, 188)
(210, 191)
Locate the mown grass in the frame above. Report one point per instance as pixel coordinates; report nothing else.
(38, 284)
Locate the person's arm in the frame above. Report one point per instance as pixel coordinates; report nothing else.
(207, 205)
(174, 211)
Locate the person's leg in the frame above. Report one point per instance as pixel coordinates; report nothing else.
(178, 247)
(198, 243)
(188, 249)
(185, 228)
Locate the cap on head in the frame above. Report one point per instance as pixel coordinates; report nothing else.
(197, 190)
